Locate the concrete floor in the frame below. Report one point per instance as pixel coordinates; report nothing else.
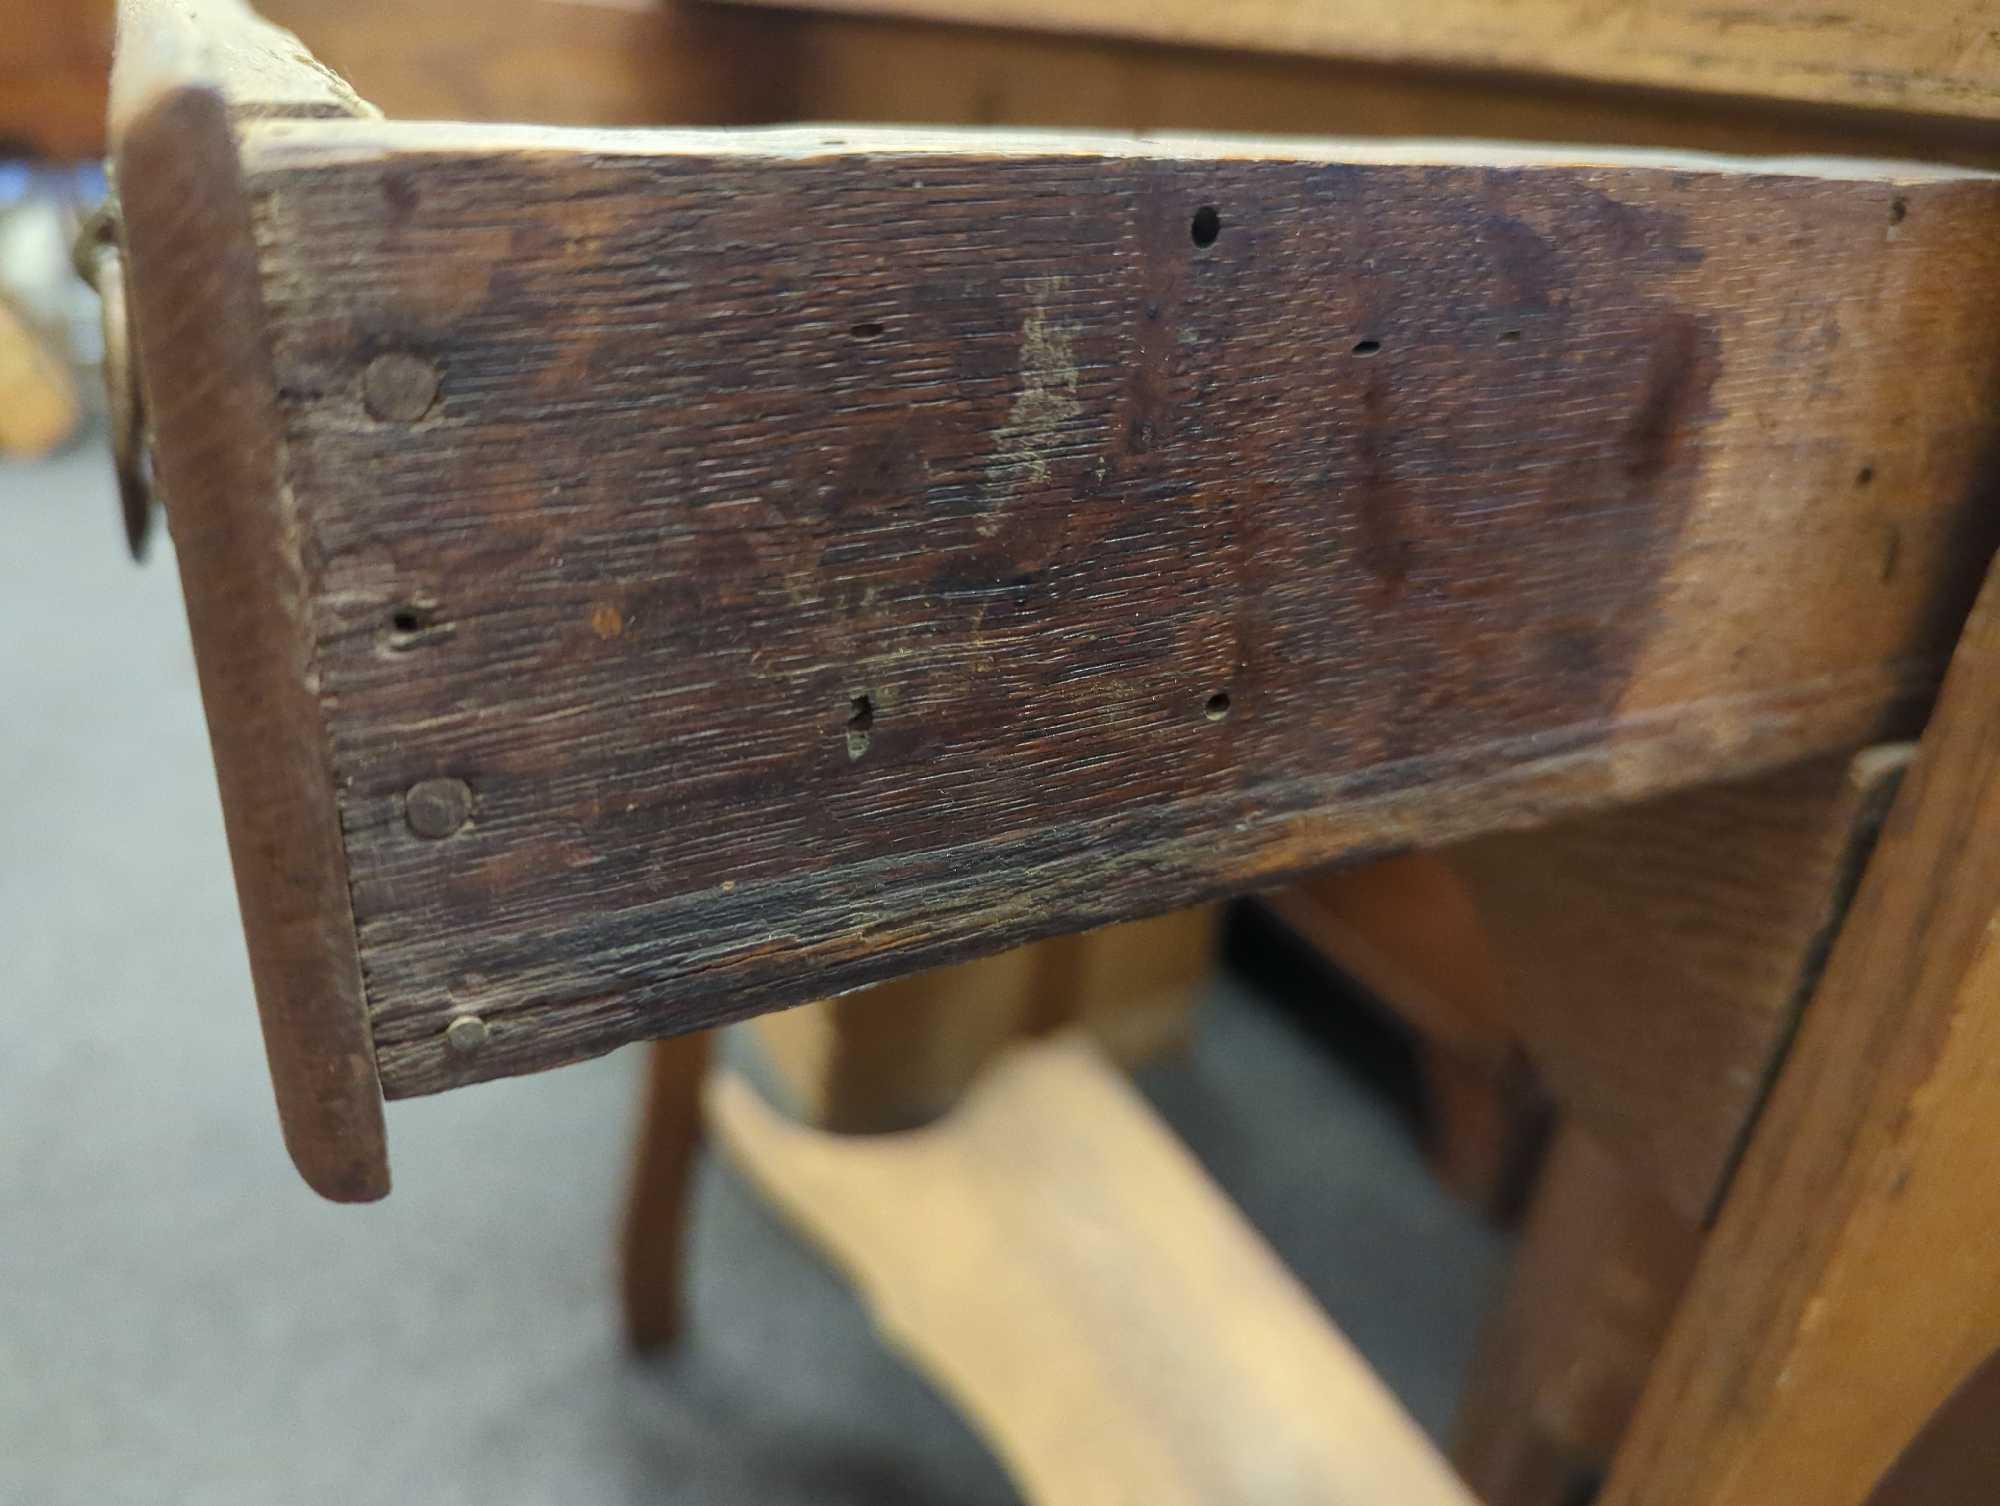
(182, 1322)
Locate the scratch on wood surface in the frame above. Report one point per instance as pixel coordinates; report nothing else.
(1047, 400)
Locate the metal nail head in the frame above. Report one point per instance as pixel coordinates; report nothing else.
(435, 808)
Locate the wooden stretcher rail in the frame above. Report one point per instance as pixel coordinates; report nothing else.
(1051, 1226)
(730, 568)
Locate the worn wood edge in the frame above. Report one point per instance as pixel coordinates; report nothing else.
(219, 458)
(1873, 778)
(261, 70)
(279, 143)
(1851, 1126)
(1517, 785)
(1464, 41)
(1068, 1085)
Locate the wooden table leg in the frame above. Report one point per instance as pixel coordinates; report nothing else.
(1603, 1260)
(1409, 932)
(1853, 1279)
(1055, 1261)
(650, 1253)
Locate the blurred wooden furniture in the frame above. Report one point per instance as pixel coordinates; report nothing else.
(1056, 1262)
(619, 611)
(902, 1053)
(54, 62)
(1602, 1263)
(574, 62)
(1937, 59)
(40, 407)
(1409, 932)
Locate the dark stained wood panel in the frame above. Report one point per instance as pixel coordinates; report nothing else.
(823, 556)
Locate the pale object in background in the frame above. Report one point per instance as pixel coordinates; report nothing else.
(47, 318)
(39, 407)
(1052, 1257)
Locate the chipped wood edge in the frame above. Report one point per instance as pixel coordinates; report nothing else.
(219, 457)
(262, 71)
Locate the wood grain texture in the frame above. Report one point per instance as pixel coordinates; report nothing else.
(1054, 1260)
(1938, 57)
(677, 62)
(1655, 959)
(199, 324)
(261, 71)
(1482, 488)
(1853, 1280)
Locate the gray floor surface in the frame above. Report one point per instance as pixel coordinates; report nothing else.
(182, 1322)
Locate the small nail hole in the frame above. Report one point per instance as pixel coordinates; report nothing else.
(1207, 225)
(409, 623)
(1510, 337)
(860, 721)
(1367, 347)
(1865, 475)
(1217, 707)
(868, 329)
